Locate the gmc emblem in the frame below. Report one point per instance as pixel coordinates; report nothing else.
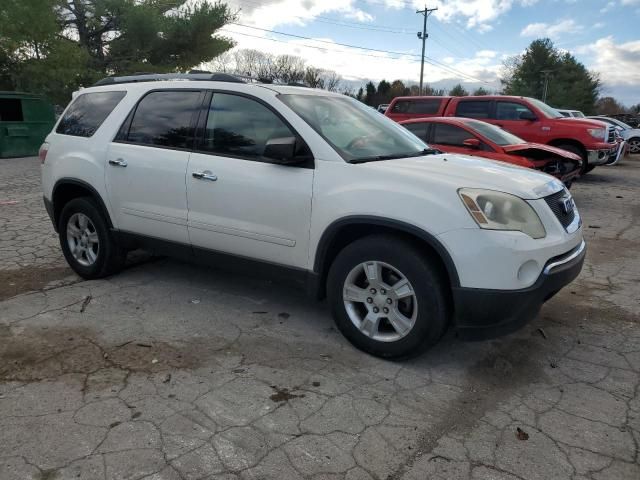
(567, 205)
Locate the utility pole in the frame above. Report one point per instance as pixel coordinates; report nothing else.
(423, 36)
(545, 74)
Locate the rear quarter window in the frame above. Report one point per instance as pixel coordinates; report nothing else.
(87, 112)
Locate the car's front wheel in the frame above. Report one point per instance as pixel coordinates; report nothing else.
(87, 243)
(387, 297)
(634, 145)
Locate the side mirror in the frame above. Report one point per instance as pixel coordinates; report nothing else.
(472, 143)
(529, 116)
(281, 150)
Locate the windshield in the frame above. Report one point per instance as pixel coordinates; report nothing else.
(355, 131)
(493, 133)
(546, 110)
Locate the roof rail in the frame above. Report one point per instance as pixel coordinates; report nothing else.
(155, 77)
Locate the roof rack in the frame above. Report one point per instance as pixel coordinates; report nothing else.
(192, 75)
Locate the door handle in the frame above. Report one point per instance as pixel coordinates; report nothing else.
(206, 175)
(118, 163)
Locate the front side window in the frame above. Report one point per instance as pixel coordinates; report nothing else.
(357, 132)
(495, 134)
(164, 119)
(444, 134)
(473, 109)
(546, 110)
(240, 126)
(510, 110)
(87, 112)
(418, 129)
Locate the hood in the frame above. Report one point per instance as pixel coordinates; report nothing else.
(584, 122)
(460, 171)
(523, 148)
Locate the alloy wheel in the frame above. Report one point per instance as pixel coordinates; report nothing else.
(380, 301)
(82, 239)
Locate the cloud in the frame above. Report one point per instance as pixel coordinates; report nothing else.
(618, 64)
(271, 13)
(555, 30)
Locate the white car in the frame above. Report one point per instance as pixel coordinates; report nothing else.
(571, 113)
(403, 241)
(631, 135)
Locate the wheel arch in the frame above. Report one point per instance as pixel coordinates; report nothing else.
(66, 189)
(557, 142)
(345, 230)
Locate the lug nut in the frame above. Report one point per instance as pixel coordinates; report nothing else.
(383, 291)
(376, 309)
(369, 300)
(389, 301)
(385, 310)
(373, 291)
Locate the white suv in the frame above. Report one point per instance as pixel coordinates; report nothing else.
(403, 240)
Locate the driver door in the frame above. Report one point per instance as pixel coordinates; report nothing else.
(238, 202)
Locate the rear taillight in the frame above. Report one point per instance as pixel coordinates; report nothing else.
(42, 153)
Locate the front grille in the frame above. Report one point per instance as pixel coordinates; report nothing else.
(611, 137)
(556, 204)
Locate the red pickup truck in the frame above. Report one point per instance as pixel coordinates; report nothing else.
(528, 118)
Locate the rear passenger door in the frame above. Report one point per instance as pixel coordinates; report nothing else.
(450, 139)
(147, 164)
(239, 203)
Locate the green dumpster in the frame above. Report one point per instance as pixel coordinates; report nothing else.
(25, 119)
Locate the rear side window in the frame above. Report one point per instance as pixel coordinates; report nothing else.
(417, 106)
(87, 112)
(164, 119)
(240, 126)
(473, 109)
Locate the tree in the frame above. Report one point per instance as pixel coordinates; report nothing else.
(370, 89)
(360, 94)
(480, 91)
(609, 106)
(331, 80)
(398, 89)
(458, 91)
(54, 46)
(570, 84)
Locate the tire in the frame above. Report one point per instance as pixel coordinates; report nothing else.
(82, 225)
(425, 308)
(634, 145)
(586, 168)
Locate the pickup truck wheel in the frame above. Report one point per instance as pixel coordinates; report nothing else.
(586, 168)
(87, 242)
(386, 297)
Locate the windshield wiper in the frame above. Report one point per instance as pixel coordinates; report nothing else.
(375, 158)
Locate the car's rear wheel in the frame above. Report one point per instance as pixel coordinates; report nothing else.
(87, 243)
(634, 145)
(387, 297)
(586, 168)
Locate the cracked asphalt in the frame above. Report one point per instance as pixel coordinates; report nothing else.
(175, 371)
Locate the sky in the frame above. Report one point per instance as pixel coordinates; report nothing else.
(468, 39)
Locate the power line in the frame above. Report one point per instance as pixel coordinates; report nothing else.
(431, 61)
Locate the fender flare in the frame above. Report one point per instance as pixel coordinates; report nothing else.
(332, 230)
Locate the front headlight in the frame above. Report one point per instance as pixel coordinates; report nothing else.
(598, 133)
(501, 211)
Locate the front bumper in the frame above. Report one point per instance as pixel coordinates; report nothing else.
(482, 313)
(601, 155)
